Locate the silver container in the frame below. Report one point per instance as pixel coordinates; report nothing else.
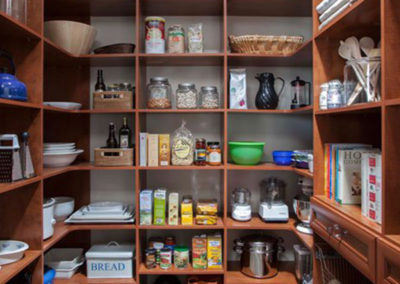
(302, 208)
(303, 263)
(259, 256)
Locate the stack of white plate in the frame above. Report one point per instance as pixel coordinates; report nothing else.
(103, 212)
(60, 154)
(65, 261)
(64, 105)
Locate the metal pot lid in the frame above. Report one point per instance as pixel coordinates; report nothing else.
(254, 241)
(48, 202)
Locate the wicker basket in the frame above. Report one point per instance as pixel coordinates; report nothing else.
(265, 44)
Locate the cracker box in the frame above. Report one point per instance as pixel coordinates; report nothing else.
(164, 149)
(160, 196)
(152, 151)
(214, 252)
(173, 208)
(199, 252)
(146, 206)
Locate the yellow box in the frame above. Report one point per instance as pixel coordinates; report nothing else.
(164, 149)
(187, 213)
(214, 252)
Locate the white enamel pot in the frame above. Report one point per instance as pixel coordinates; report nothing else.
(48, 218)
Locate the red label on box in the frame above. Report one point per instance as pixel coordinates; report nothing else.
(372, 162)
(372, 196)
(372, 214)
(372, 179)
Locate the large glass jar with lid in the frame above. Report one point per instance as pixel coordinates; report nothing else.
(209, 97)
(159, 93)
(186, 96)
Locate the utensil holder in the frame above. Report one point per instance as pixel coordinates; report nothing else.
(113, 100)
(113, 157)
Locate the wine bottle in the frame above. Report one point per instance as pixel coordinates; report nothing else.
(111, 141)
(125, 135)
(100, 86)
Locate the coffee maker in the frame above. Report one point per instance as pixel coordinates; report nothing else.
(273, 209)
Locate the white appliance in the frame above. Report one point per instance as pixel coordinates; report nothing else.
(273, 209)
(48, 218)
(241, 208)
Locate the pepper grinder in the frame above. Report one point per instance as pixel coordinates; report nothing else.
(27, 166)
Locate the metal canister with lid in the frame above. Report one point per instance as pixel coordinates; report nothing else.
(209, 97)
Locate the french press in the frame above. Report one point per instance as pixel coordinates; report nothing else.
(300, 93)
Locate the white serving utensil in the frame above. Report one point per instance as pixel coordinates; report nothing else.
(366, 44)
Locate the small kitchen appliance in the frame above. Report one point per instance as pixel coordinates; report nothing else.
(10, 87)
(300, 93)
(10, 159)
(273, 209)
(302, 205)
(303, 264)
(241, 208)
(258, 255)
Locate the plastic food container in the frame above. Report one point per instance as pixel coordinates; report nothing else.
(282, 158)
(110, 261)
(246, 153)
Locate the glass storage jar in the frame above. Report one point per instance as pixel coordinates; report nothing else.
(186, 96)
(159, 93)
(362, 80)
(15, 8)
(209, 97)
(335, 94)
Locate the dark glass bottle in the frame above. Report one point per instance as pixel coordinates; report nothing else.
(100, 86)
(111, 141)
(124, 135)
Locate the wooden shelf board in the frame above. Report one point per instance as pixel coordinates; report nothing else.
(257, 224)
(88, 111)
(394, 239)
(182, 59)
(219, 225)
(355, 20)
(358, 108)
(308, 240)
(270, 8)
(79, 8)
(12, 103)
(8, 271)
(200, 168)
(307, 109)
(176, 271)
(392, 102)
(285, 275)
(301, 57)
(61, 230)
(351, 211)
(4, 187)
(186, 7)
(303, 172)
(181, 110)
(260, 167)
(12, 28)
(80, 278)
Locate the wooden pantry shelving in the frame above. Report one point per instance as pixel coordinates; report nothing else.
(51, 73)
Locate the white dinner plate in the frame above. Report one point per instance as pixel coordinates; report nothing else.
(64, 105)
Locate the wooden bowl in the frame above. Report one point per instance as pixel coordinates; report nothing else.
(77, 38)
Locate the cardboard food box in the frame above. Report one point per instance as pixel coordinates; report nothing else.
(146, 206)
(152, 151)
(173, 208)
(164, 149)
(214, 252)
(199, 252)
(143, 149)
(160, 196)
(187, 212)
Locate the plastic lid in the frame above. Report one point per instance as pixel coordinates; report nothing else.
(111, 250)
(186, 85)
(159, 80)
(181, 248)
(209, 88)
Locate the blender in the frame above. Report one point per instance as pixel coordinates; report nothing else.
(302, 205)
(241, 208)
(273, 209)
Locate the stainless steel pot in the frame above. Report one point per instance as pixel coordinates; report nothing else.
(259, 255)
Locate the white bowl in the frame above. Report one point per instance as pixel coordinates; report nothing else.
(64, 105)
(60, 159)
(59, 145)
(11, 251)
(74, 37)
(63, 208)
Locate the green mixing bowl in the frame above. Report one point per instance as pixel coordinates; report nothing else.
(246, 153)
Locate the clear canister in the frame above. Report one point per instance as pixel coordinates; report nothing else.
(186, 96)
(209, 97)
(159, 93)
(335, 94)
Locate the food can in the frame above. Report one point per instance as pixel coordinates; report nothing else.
(165, 258)
(151, 258)
(181, 257)
(155, 34)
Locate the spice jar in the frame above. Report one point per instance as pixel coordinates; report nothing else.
(209, 97)
(186, 96)
(200, 152)
(214, 156)
(159, 93)
(176, 39)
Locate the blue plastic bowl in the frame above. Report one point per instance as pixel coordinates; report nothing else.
(282, 158)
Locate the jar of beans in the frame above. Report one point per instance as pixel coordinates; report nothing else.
(209, 97)
(186, 96)
(159, 93)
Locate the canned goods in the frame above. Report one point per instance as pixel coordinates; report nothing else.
(181, 257)
(155, 34)
(165, 258)
(150, 258)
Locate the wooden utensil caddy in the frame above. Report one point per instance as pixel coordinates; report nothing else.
(113, 100)
(113, 157)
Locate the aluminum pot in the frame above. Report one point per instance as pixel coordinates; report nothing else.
(259, 255)
(48, 218)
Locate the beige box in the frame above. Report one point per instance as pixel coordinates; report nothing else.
(164, 149)
(152, 151)
(173, 208)
(113, 100)
(113, 157)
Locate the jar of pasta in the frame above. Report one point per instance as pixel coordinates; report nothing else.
(176, 39)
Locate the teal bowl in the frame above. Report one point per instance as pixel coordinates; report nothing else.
(246, 153)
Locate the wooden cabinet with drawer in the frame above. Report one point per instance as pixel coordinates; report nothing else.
(388, 268)
(354, 243)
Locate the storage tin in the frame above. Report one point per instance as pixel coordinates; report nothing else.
(110, 261)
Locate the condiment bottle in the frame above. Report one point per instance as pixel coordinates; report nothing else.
(200, 152)
(214, 156)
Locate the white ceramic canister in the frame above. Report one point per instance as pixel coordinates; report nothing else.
(48, 218)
